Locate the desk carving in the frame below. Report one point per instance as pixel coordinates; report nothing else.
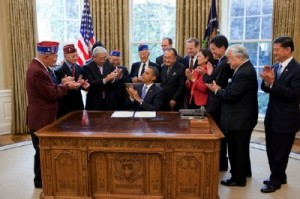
(126, 166)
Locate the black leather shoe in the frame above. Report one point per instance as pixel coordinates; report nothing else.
(38, 185)
(231, 183)
(269, 188)
(266, 182)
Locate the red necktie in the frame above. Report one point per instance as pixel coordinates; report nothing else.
(73, 70)
(191, 66)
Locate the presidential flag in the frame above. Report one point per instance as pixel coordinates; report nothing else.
(86, 38)
(211, 29)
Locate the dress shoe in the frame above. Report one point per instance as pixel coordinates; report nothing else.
(266, 182)
(231, 183)
(269, 188)
(248, 175)
(38, 185)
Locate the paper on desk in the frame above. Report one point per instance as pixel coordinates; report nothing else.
(123, 114)
(145, 114)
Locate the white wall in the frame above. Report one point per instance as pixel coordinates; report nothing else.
(5, 111)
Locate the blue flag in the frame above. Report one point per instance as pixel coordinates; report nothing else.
(211, 29)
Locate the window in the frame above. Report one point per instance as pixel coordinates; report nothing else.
(250, 24)
(59, 20)
(151, 20)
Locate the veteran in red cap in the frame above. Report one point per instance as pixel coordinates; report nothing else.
(138, 68)
(43, 96)
(73, 100)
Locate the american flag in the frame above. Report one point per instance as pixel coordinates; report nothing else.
(211, 29)
(86, 38)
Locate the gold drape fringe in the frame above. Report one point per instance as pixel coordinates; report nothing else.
(111, 25)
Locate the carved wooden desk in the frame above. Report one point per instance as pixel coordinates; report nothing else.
(91, 155)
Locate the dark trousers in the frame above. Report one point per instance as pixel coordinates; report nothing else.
(238, 151)
(278, 147)
(37, 162)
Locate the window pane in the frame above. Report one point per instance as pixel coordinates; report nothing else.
(72, 9)
(155, 50)
(253, 7)
(265, 53)
(154, 31)
(267, 7)
(72, 31)
(236, 28)
(263, 99)
(252, 52)
(57, 9)
(237, 7)
(140, 9)
(266, 27)
(168, 11)
(168, 29)
(252, 28)
(139, 30)
(57, 30)
(154, 9)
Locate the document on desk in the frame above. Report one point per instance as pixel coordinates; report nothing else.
(122, 114)
(145, 114)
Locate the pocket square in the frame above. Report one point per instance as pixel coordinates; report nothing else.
(174, 74)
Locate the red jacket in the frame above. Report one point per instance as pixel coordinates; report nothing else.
(42, 95)
(198, 89)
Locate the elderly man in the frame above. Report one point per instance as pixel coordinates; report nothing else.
(147, 96)
(172, 81)
(138, 68)
(73, 100)
(123, 77)
(43, 96)
(239, 112)
(166, 43)
(282, 82)
(101, 76)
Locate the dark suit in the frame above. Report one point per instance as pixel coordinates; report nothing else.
(100, 96)
(73, 100)
(160, 59)
(134, 72)
(221, 73)
(239, 113)
(173, 85)
(282, 119)
(43, 96)
(186, 62)
(120, 91)
(152, 101)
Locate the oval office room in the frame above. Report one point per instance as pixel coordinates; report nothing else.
(268, 30)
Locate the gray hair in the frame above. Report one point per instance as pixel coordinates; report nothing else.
(237, 50)
(98, 50)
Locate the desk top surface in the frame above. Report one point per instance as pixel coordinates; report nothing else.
(166, 125)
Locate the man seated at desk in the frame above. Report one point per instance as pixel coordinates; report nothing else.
(147, 96)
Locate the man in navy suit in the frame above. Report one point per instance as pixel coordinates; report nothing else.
(101, 76)
(138, 68)
(166, 43)
(172, 81)
(73, 100)
(239, 112)
(147, 96)
(192, 48)
(122, 78)
(282, 82)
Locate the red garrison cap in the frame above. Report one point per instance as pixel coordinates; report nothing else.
(69, 48)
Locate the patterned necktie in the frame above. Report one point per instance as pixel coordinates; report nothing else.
(73, 70)
(143, 69)
(191, 65)
(144, 92)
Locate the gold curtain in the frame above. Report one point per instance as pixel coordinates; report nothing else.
(111, 25)
(22, 41)
(286, 22)
(191, 20)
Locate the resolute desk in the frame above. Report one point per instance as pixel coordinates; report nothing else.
(87, 155)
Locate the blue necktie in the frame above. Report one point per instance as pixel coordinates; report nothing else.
(144, 92)
(278, 71)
